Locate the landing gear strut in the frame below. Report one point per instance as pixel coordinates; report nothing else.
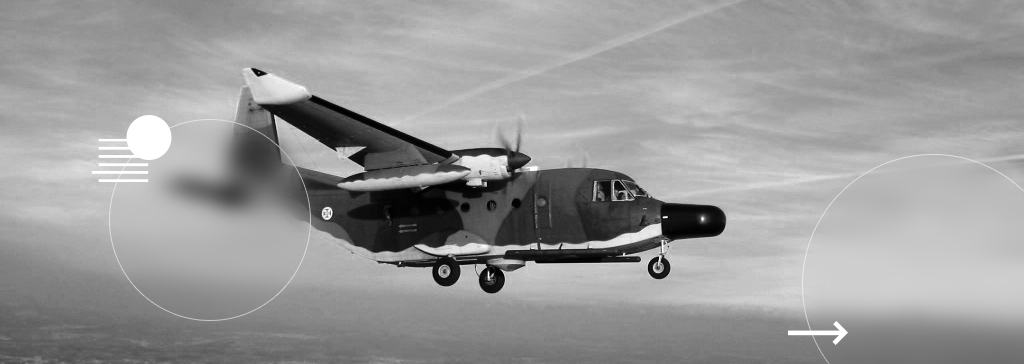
(446, 271)
(659, 266)
(492, 279)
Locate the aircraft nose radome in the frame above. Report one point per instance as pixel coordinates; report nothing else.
(268, 89)
(681, 221)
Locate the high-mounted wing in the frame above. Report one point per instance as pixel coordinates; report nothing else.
(337, 127)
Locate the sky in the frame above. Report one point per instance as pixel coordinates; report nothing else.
(767, 109)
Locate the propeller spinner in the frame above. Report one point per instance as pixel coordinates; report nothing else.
(516, 159)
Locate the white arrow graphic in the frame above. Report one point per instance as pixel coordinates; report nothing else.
(840, 334)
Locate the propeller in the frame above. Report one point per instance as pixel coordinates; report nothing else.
(503, 138)
(516, 159)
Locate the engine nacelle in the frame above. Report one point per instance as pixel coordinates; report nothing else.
(484, 168)
(489, 164)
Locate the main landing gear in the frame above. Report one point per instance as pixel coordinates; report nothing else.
(492, 279)
(659, 266)
(446, 271)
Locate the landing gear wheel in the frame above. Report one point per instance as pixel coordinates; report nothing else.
(446, 271)
(492, 279)
(659, 267)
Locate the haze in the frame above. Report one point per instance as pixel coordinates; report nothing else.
(765, 108)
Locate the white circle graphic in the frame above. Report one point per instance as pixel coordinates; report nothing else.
(326, 213)
(149, 137)
(277, 293)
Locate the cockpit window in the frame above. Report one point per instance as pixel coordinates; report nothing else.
(619, 192)
(635, 190)
(602, 191)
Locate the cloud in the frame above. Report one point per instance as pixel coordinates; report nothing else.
(765, 108)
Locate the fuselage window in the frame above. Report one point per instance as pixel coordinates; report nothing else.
(602, 191)
(634, 189)
(619, 192)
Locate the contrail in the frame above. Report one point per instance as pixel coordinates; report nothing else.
(575, 57)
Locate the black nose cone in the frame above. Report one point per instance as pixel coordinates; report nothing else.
(517, 160)
(679, 221)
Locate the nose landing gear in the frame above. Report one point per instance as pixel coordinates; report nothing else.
(446, 271)
(659, 266)
(492, 279)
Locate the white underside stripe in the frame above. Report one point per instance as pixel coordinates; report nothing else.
(412, 253)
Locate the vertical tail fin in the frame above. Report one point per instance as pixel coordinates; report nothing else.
(255, 153)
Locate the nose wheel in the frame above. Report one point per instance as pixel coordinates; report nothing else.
(659, 266)
(446, 271)
(492, 279)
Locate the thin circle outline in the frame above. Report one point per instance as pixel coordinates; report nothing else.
(803, 269)
(309, 232)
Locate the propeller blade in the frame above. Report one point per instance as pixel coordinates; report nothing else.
(516, 159)
(502, 138)
(519, 132)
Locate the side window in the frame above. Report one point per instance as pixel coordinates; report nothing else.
(619, 192)
(602, 191)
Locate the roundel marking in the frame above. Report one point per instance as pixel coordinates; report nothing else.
(326, 213)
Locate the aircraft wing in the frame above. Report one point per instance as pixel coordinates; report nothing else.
(382, 147)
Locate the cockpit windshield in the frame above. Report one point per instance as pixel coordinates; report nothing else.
(617, 190)
(635, 190)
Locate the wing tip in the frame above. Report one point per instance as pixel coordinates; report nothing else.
(269, 89)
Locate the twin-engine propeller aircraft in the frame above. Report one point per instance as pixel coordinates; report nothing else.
(420, 205)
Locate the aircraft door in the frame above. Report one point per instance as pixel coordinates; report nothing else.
(399, 226)
(426, 219)
(542, 200)
(620, 210)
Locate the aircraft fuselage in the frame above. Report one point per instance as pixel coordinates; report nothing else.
(559, 209)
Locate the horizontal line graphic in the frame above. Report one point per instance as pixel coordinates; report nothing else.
(115, 148)
(124, 180)
(120, 172)
(113, 140)
(119, 156)
(124, 164)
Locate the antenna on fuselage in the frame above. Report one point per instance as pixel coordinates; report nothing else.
(584, 161)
